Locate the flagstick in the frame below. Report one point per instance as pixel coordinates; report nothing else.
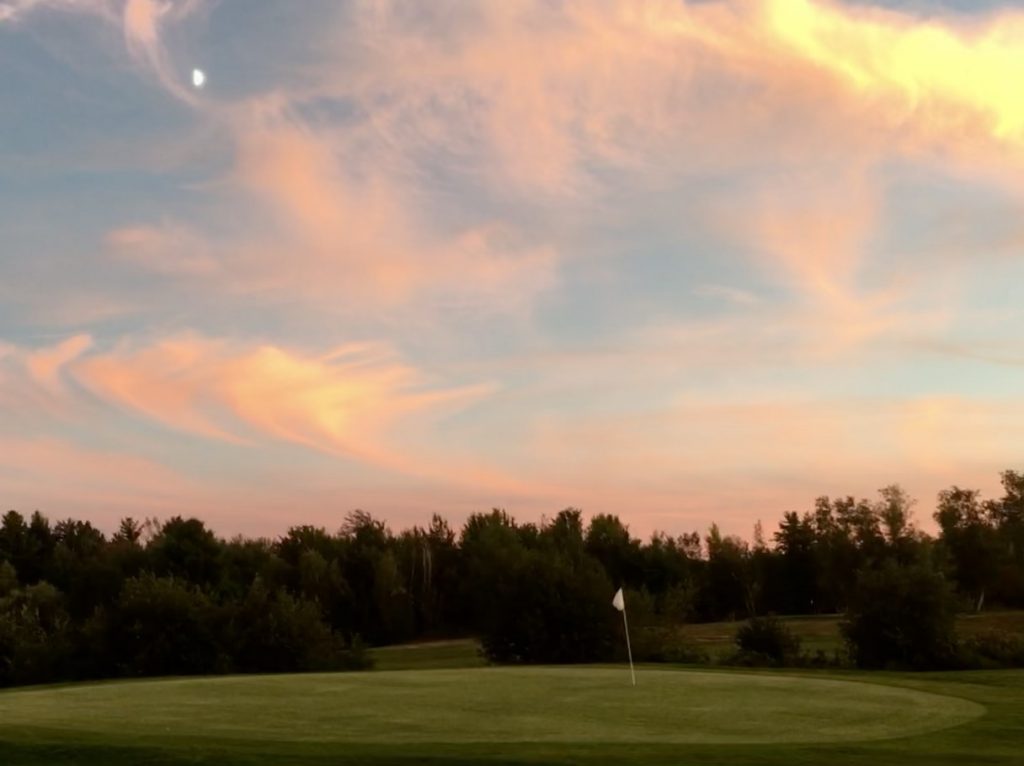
(629, 650)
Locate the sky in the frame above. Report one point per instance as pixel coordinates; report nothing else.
(684, 261)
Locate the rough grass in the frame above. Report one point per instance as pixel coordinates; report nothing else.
(521, 715)
(991, 622)
(818, 632)
(821, 632)
(433, 655)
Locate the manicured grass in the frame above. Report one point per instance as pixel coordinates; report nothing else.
(507, 705)
(523, 715)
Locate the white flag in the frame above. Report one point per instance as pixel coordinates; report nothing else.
(619, 602)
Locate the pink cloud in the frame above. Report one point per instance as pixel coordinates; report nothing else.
(358, 402)
(45, 365)
(362, 235)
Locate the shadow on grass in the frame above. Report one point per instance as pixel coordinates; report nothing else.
(494, 754)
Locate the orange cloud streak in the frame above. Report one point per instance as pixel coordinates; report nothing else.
(339, 404)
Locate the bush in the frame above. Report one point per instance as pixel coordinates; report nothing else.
(161, 626)
(901, 617)
(767, 639)
(273, 632)
(356, 656)
(35, 636)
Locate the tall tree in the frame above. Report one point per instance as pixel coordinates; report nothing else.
(608, 540)
(185, 548)
(730, 589)
(795, 541)
(971, 540)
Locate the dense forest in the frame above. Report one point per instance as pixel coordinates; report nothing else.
(171, 597)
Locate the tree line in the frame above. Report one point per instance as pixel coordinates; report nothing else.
(171, 597)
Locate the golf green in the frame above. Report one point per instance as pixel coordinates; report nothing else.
(483, 705)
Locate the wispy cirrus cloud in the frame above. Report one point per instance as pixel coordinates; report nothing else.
(140, 21)
(15, 10)
(164, 248)
(353, 402)
(815, 98)
(812, 95)
(349, 234)
(45, 366)
(342, 402)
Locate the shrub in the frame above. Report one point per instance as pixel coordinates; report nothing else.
(901, 617)
(767, 640)
(274, 632)
(356, 656)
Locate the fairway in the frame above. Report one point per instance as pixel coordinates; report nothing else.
(485, 705)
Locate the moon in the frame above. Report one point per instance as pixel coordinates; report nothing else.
(198, 78)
